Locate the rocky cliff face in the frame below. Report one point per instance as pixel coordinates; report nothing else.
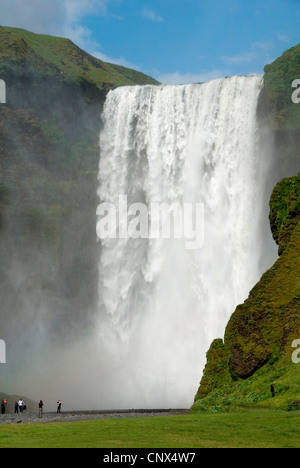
(257, 346)
(49, 157)
(264, 327)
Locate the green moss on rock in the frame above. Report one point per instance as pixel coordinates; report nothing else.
(285, 210)
(259, 335)
(216, 370)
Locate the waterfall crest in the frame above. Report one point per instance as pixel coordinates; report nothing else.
(160, 304)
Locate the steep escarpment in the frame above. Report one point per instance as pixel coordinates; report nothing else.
(49, 157)
(280, 116)
(257, 347)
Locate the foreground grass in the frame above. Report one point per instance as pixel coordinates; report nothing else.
(229, 430)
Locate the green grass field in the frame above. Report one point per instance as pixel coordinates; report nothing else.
(253, 429)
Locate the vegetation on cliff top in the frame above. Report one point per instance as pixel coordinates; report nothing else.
(276, 98)
(49, 57)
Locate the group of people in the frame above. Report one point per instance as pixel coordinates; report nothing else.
(20, 406)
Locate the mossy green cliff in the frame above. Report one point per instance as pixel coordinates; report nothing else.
(257, 347)
(49, 157)
(276, 98)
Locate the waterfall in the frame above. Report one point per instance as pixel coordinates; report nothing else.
(161, 304)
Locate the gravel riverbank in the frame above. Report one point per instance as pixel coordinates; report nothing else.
(73, 416)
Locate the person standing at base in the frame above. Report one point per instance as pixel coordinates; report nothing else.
(58, 406)
(16, 407)
(2, 407)
(21, 405)
(273, 390)
(41, 404)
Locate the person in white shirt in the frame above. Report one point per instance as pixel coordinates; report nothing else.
(21, 405)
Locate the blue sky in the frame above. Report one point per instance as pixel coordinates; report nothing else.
(175, 41)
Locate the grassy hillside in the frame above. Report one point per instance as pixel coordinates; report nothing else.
(53, 57)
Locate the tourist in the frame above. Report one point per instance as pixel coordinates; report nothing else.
(41, 404)
(58, 406)
(2, 407)
(21, 405)
(16, 407)
(273, 390)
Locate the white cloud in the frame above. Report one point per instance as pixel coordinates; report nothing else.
(77, 9)
(151, 15)
(60, 18)
(283, 38)
(188, 78)
(263, 45)
(55, 17)
(40, 16)
(259, 52)
(238, 59)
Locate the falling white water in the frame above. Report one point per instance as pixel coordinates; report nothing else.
(161, 305)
